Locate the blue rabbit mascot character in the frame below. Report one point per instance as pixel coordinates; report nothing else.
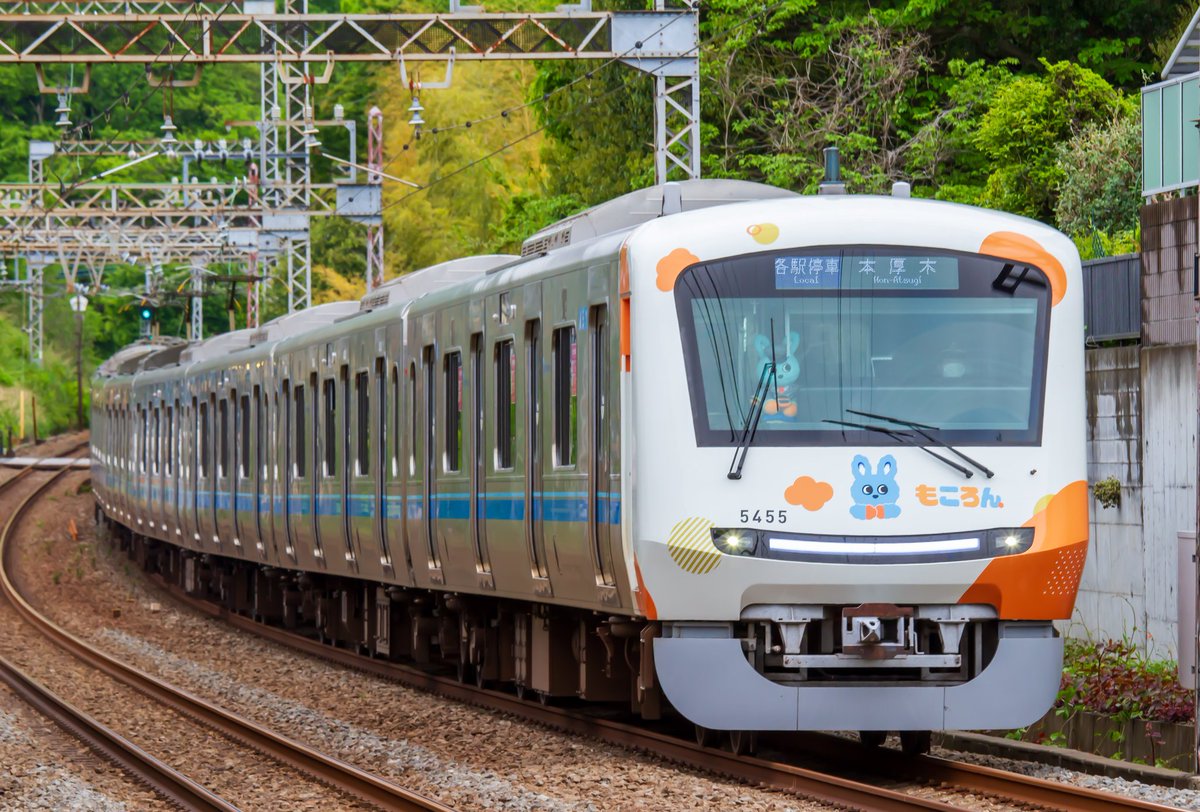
(875, 494)
(781, 403)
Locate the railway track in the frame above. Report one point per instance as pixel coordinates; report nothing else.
(164, 779)
(881, 764)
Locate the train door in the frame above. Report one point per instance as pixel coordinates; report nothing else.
(239, 474)
(205, 497)
(154, 468)
(386, 457)
(433, 556)
(393, 527)
(367, 446)
(223, 501)
(275, 402)
(173, 468)
(478, 462)
(408, 439)
(191, 474)
(604, 504)
(534, 537)
(258, 465)
(292, 410)
(453, 479)
(503, 496)
(343, 421)
(307, 463)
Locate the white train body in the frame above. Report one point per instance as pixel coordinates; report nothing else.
(846, 578)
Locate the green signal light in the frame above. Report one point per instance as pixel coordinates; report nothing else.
(147, 314)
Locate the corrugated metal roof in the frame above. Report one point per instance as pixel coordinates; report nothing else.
(1185, 59)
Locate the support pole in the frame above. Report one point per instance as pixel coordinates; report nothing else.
(253, 290)
(35, 307)
(79, 370)
(374, 176)
(196, 333)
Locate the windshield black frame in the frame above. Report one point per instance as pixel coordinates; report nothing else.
(752, 275)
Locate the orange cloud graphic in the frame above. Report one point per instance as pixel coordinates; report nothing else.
(670, 266)
(808, 493)
(1010, 245)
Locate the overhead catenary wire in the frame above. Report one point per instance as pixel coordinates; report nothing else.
(579, 108)
(83, 175)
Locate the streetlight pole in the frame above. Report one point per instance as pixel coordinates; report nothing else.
(79, 305)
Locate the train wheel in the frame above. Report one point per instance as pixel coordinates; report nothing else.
(520, 689)
(480, 680)
(705, 736)
(462, 671)
(543, 697)
(872, 738)
(743, 742)
(916, 742)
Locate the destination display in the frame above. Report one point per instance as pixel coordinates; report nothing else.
(866, 273)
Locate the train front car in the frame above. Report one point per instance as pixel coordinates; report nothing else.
(860, 495)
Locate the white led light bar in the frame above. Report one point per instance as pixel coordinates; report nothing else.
(873, 547)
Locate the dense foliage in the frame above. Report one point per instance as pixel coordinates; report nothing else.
(1027, 107)
(1114, 678)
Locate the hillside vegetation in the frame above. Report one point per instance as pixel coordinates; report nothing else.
(1022, 106)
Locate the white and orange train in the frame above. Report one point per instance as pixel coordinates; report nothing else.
(791, 462)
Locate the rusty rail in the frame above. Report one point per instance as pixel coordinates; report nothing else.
(812, 784)
(307, 760)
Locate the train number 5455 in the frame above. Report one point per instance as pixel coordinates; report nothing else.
(747, 515)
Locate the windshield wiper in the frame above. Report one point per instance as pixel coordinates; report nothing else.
(748, 431)
(919, 428)
(907, 439)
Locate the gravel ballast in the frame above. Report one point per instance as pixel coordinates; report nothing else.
(466, 757)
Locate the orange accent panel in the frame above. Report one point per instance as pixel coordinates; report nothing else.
(623, 270)
(626, 337)
(1040, 584)
(644, 601)
(671, 266)
(1011, 245)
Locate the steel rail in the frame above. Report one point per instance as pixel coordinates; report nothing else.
(811, 783)
(140, 765)
(330, 771)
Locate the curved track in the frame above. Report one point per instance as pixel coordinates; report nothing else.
(882, 764)
(151, 771)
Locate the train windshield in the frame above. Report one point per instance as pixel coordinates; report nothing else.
(953, 341)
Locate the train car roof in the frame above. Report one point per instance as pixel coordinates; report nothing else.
(128, 359)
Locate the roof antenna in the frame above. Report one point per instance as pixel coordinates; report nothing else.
(672, 194)
(832, 185)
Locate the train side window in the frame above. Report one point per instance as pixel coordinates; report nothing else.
(395, 421)
(506, 405)
(168, 442)
(223, 437)
(329, 456)
(143, 450)
(299, 442)
(362, 395)
(204, 440)
(156, 460)
(412, 419)
(259, 428)
(452, 368)
(566, 400)
(244, 429)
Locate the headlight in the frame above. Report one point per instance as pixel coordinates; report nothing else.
(735, 542)
(1010, 540)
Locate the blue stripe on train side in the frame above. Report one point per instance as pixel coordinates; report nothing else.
(549, 506)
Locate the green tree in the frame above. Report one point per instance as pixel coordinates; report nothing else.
(1101, 175)
(1024, 124)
